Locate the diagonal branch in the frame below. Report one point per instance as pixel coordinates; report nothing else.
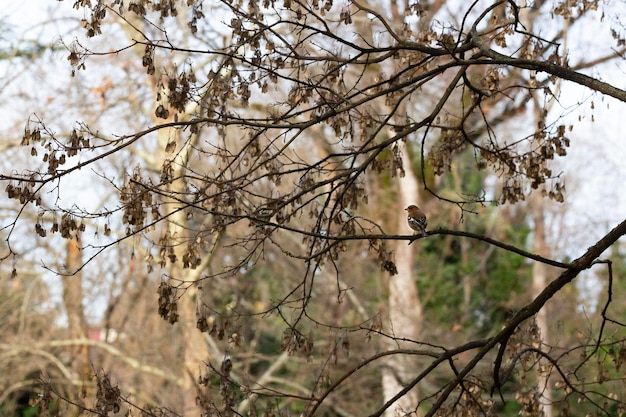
(583, 262)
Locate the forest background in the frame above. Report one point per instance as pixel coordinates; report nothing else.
(204, 208)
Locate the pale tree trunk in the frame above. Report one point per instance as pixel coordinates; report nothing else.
(540, 279)
(76, 321)
(538, 208)
(405, 310)
(194, 346)
(73, 303)
(195, 351)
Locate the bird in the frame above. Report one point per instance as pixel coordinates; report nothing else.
(417, 219)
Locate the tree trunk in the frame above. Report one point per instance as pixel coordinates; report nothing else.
(76, 321)
(405, 310)
(540, 270)
(194, 349)
(540, 280)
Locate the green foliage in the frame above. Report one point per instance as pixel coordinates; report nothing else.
(466, 281)
(495, 278)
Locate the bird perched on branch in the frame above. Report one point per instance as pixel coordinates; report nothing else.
(417, 219)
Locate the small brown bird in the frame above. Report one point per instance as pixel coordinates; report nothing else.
(417, 219)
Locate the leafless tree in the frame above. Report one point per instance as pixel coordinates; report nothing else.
(263, 146)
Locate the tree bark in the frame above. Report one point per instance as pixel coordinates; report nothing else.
(76, 321)
(195, 351)
(405, 309)
(540, 279)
